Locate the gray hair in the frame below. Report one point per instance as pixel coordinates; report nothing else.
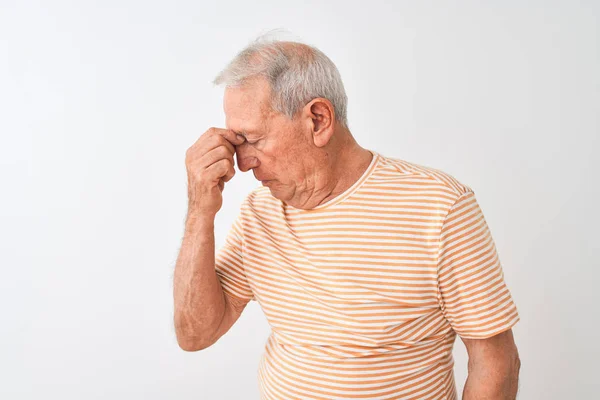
(296, 72)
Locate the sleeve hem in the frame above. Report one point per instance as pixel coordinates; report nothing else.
(237, 298)
(493, 333)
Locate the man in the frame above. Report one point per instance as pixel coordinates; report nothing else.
(366, 266)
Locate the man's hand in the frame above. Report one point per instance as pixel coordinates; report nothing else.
(493, 368)
(209, 163)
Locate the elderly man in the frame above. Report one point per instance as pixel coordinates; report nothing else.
(366, 266)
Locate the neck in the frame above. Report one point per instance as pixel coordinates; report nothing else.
(339, 170)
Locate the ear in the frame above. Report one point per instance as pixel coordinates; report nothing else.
(319, 114)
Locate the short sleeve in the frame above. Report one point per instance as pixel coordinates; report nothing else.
(229, 264)
(473, 294)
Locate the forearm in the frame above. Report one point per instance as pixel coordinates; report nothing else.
(197, 293)
(493, 381)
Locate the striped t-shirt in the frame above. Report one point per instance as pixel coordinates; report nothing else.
(365, 293)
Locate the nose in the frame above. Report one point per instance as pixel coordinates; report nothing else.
(245, 160)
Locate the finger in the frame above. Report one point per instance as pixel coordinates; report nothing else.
(213, 139)
(221, 141)
(226, 138)
(230, 136)
(230, 173)
(215, 155)
(216, 171)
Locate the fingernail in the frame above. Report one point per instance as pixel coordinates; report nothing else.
(241, 137)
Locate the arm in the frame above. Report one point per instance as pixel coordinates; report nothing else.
(202, 312)
(493, 368)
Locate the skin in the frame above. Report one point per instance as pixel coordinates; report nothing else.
(494, 366)
(309, 160)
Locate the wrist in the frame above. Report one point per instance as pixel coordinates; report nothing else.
(199, 219)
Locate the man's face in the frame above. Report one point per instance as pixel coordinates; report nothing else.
(277, 149)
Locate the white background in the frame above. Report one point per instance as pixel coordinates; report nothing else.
(100, 100)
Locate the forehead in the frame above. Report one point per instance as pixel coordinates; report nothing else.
(246, 107)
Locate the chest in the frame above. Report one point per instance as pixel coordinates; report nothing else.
(351, 265)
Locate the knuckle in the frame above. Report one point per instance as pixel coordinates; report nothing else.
(225, 151)
(204, 174)
(226, 163)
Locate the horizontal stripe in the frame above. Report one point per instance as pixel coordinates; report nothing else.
(366, 293)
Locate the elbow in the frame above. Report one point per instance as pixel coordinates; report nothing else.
(192, 344)
(190, 339)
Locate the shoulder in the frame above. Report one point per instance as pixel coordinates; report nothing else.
(428, 178)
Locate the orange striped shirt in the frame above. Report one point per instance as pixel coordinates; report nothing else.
(366, 293)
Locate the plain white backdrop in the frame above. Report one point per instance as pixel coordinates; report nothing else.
(100, 100)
